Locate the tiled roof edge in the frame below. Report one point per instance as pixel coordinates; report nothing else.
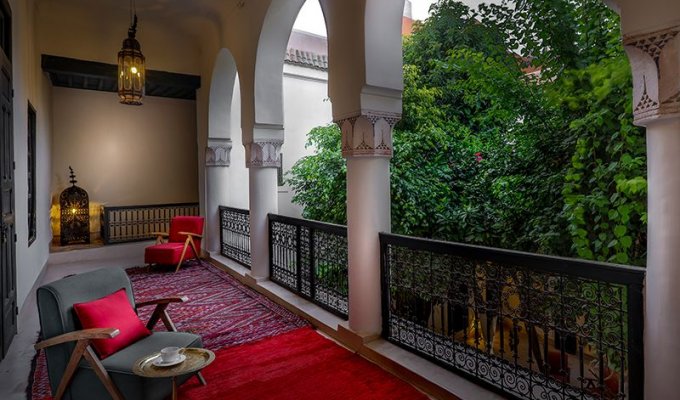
(306, 59)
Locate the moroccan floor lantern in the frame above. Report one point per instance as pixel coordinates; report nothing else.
(75, 214)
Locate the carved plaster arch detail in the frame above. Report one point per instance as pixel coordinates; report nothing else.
(655, 62)
(368, 134)
(265, 153)
(218, 152)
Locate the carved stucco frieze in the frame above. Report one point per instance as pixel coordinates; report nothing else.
(368, 134)
(218, 153)
(655, 62)
(264, 153)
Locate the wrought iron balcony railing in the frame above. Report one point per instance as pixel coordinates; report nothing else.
(310, 259)
(526, 325)
(137, 223)
(235, 234)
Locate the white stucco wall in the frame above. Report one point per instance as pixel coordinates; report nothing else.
(238, 173)
(305, 106)
(30, 85)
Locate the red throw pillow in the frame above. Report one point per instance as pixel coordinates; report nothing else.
(112, 311)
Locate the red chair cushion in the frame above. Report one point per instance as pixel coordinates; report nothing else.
(112, 311)
(165, 253)
(185, 224)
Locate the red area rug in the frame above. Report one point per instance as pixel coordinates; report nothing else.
(298, 365)
(222, 310)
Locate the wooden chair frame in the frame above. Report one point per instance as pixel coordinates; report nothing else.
(83, 349)
(189, 242)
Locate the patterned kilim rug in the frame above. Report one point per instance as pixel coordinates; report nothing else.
(222, 310)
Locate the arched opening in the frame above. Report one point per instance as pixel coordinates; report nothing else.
(306, 104)
(269, 65)
(291, 85)
(226, 168)
(221, 90)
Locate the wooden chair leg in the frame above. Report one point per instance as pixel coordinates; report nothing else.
(71, 367)
(155, 316)
(160, 312)
(169, 325)
(83, 350)
(181, 259)
(193, 247)
(103, 376)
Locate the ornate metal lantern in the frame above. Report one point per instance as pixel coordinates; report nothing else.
(75, 214)
(131, 70)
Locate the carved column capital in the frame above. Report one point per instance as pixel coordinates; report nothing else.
(218, 152)
(264, 153)
(655, 62)
(368, 134)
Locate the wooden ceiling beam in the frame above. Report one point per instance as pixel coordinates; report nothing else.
(161, 83)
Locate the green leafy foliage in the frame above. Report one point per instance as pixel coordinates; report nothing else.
(558, 35)
(319, 180)
(486, 154)
(605, 189)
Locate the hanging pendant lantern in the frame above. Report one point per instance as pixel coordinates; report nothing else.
(131, 70)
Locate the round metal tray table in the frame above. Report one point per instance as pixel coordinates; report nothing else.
(196, 360)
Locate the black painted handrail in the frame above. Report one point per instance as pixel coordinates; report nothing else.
(613, 273)
(525, 325)
(310, 259)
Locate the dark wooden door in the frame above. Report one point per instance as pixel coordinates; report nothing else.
(8, 281)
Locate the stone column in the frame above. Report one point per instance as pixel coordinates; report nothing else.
(367, 145)
(655, 62)
(217, 158)
(263, 159)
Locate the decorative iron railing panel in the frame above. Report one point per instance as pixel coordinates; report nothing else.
(137, 223)
(310, 259)
(235, 234)
(526, 325)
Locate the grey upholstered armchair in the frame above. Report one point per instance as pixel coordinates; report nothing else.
(66, 345)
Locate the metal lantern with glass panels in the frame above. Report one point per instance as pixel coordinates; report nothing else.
(75, 214)
(131, 69)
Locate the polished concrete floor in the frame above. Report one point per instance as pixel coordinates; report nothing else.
(16, 367)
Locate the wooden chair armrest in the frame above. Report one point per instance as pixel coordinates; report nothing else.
(94, 333)
(161, 313)
(160, 236)
(191, 234)
(83, 350)
(166, 300)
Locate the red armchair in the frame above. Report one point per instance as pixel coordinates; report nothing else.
(171, 249)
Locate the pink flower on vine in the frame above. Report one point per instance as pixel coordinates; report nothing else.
(478, 156)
